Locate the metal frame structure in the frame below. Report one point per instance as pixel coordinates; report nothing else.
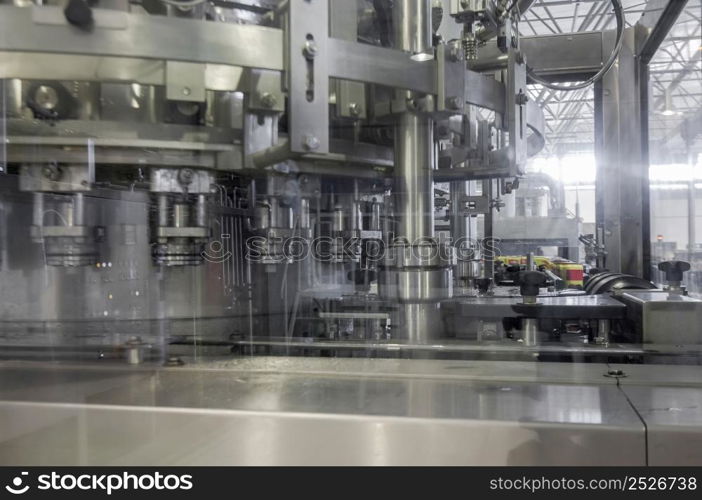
(161, 170)
(570, 115)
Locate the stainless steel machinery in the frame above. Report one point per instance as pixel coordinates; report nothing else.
(195, 194)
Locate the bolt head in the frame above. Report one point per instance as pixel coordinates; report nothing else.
(310, 50)
(268, 100)
(355, 109)
(46, 97)
(453, 103)
(311, 142)
(51, 172)
(186, 176)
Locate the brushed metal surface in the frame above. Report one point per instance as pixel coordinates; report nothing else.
(673, 417)
(215, 413)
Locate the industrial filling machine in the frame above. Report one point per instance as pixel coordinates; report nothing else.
(303, 232)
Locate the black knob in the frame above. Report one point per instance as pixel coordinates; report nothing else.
(530, 282)
(79, 14)
(674, 269)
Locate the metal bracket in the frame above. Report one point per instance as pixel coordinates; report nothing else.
(516, 114)
(265, 91)
(474, 205)
(185, 81)
(308, 78)
(451, 74)
(351, 100)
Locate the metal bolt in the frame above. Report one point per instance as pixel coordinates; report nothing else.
(453, 103)
(411, 104)
(268, 100)
(310, 50)
(46, 97)
(311, 142)
(51, 172)
(186, 91)
(186, 176)
(615, 373)
(521, 98)
(355, 109)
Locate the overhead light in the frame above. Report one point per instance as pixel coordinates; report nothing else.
(669, 109)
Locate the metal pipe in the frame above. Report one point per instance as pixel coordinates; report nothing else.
(413, 187)
(459, 222)
(162, 200)
(181, 214)
(411, 21)
(417, 323)
(413, 134)
(65, 210)
(78, 209)
(414, 200)
(201, 211)
(530, 265)
(338, 220)
(530, 332)
(487, 348)
(375, 218)
(603, 330)
(488, 232)
(38, 209)
(691, 209)
(305, 213)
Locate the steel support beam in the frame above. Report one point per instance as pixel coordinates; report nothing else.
(119, 34)
(621, 141)
(655, 24)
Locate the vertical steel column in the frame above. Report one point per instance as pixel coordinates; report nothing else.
(418, 283)
(413, 177)
(414, 198)
(622, 168)
(691, 206)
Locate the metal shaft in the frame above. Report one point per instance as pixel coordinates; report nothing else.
(38, 209)
(420, 323)
(411, 20)
(163, 208)
(79, 209)
(413, 133)
(417, 320)
(201, 211)
(460, 225)
(414, 201)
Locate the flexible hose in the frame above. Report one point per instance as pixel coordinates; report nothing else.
(619, 14)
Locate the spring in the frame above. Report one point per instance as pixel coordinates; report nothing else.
(470, 46)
